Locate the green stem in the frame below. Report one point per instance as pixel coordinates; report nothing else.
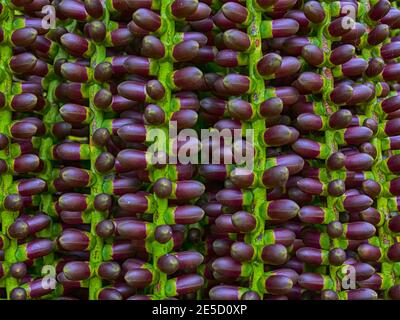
(165, 69)
(96, 254)
(258, 125)
(7, 217)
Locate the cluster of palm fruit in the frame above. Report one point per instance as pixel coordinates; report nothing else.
(88, 211)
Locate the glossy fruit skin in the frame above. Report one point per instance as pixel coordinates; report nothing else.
(274, 254)
(79, 106)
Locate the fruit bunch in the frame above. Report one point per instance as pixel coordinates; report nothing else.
(90, 210)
